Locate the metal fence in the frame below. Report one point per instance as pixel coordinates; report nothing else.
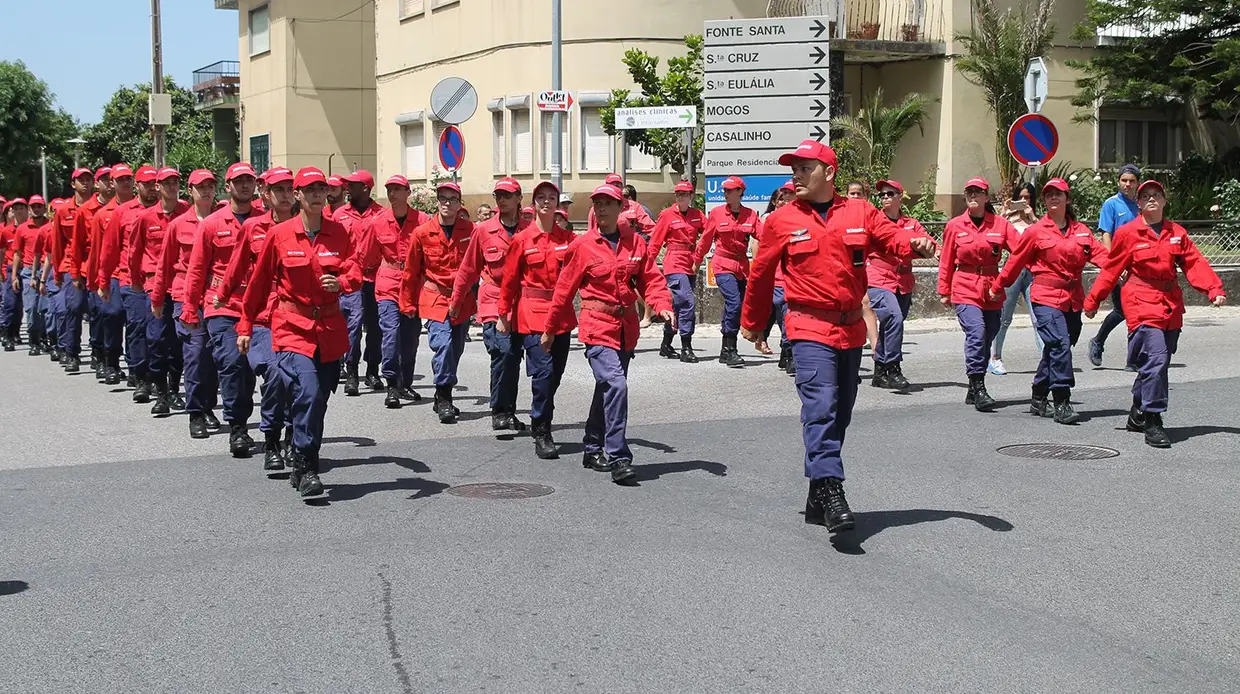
(871, 20)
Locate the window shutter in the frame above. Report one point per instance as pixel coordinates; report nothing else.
(596, 150)
(499, 145)
(415, 150)
(566, 155)
(640, 161)
(522, 142)
(409, 8)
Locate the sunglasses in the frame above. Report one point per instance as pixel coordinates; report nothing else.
(448, 201)
(888, 194)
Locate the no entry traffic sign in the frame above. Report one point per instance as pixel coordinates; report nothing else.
(1033, 139)
(451, 148)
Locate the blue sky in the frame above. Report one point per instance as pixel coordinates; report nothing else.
(115, 41)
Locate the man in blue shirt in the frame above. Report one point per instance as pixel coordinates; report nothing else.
(1117, 211)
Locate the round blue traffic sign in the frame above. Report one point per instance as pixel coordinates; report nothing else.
(451, 148)
(1033, 139)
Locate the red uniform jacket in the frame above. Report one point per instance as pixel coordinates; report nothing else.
(824, 269)
(1056, 259)
(28, 242)
(970, 259)
(892, 273)
(80, 235)
(45, 240)
(8, 238)
(610, 281)
(146, 243)
(114, 245)
(306, 318)
(633, 215)
(62, 234)
(488, 247)
(732, 245)
(357, 224)
(174, 259)
(385, 244)
(430, 270)
(1152, 294)
(254, 235)
(680, 233)
(219, 236)
(531, 269)
(109, 213)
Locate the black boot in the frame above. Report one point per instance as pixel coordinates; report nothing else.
(879, 379)
(827, 506)
(374, 380)
(895, 377)
(1136, 418)
(1064, 414)
(622, 471)
(350, 382)
(308, 483)
(506, 421)
(53, 354)
(112, 376)
(392, 400)
(408, 393)
(163, 401)
(1039, 406)
(36, 343)
(729, 356)
(197, 426)
(72, 364)
(131, 381)
(666, 350)
(1155, 435)
(239, 441)
(596, 461)
(791, 370)
(212, 423)
(288, 445)
(142, 393)
(97, 363)
(544, 445)
(687, 355)
(785, 355)
(174, 391)
(443, 405)
(978, 396)
(273, 458)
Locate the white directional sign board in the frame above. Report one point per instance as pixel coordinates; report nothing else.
(767, 88)
(647, 117)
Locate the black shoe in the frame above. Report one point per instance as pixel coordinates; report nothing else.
(94, 360)
(686, 350)
(978, 397)
(142, 393)
(212, 423)
(791, 370)
(305, 477)
(288, 445)
(1155, 435)
(239, 441)
(544, 445)
(163, 401)
(178, 400)
(131, 381)
(506, 421)
(392, 401)
(34, 349)
(1041, 407)
(596, 461)
(72, 365)
(827, 506)
(879, 379)
(443, 405)
(54, 355)
(784, 356)
(895, 377)
(350, 385)
(622, 471)
(1065, 414)
(666, 350)
(273, 458)
(9, 346)
(112, 377)
(408, 393)
(198, 427)
(1136, 419)
(374, 382)
(728, 355)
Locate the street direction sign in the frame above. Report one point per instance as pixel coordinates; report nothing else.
(763, 135)
(758, 190)
(647, 117)
(555, 101)
(1037, 85)
(778, 56)
(781, 83)
(768, 110)
(454, 100)
(737, 32)
(451, 148)
(739, 162)
(1033, 140)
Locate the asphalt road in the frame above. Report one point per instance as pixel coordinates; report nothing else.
(133, 559)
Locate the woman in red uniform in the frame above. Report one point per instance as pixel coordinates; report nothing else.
(1150, 249)
(972, 246)
(1056, 249)
(309, 260)
(733, 224)
(679, 228)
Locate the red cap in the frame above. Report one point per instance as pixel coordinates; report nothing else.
(608, 191)
(335, 182)
(278, 175)
(529, 209)
(547, 184)
(977, 182)
(36, 200)
(361, 176)
(733, 183)
(103, 171)
(81, 172)
(508, 185)
(614, 180)
(1152, 182)
(57, 203)
(789, 186)
(397, 180)
(810, 149)
(307, 176)
(15, 201)
(683, 187)
(121, 171)
(1057, 184)
(561, 213)
(448, 185)
(199, 175)
(892, 183)
(145, 174)
(166, 173)
(239, 169)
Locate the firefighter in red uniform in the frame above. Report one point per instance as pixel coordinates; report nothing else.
(28, 255)
(17, 212)
(71, 299)
(733, 224)
(80, 250)
(679, 227)
(435, 254)
(1150, 249)
(531, 268)
(108, 304)
(384, 246)
(309, 260)
(821, 240)
(360, 309)
(612, 267)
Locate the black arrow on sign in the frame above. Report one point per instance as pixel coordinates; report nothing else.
(818, 108)
(818, 133)
(818, 54)
(818, 81)
(818, 28)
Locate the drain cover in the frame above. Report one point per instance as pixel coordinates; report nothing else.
(1059, 451)
(501, 490)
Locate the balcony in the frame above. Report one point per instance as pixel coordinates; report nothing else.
(225, 4)
(876, 31)
(218, 86)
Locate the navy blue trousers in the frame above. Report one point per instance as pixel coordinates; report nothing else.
(201, 380)
(73, 303)
(826, 380)
(33, 305)
(236, 378)
(399, 347)
(545, 371)
(274, 413)
(164, 353)
(684, 303)
(351, 307)
(11, 305)
(733, 290)
(1059, 332)
(891, 309)
(137, 318)
(506, 356)
(112, 320)
(53, 309)
(447, 345)
(608, 423)
(980, 328)
(308, 384)
(1150, 350)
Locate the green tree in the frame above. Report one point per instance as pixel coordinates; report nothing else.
(123, 134)
(877, 129)
(1189, 51)
(681, 86)
(997, 50)
(29, 125)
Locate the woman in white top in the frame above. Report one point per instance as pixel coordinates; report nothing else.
(1019, 210)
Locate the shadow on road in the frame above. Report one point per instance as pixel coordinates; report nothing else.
(871, 523)
(919, 387)
(358, 441)
(1087, 415)
(408, 463)
(1181, 434)
(576, 447)
(421, 488)
(13, 587)
(649, 473)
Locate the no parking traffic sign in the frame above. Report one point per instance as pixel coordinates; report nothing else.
(451, 148)
(1033, 140)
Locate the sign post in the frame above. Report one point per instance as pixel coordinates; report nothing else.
(1037, 84)
(452, 149)
(656, 118)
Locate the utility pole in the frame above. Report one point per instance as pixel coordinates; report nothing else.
(157, 80)
(557, 83)
(43, 165)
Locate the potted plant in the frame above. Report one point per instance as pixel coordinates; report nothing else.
(909, 32)
(869, 31)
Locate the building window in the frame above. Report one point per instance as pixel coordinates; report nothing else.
(443, 3)
(548, 139)
(260, 30)
(522, 142)
(1131, 138)
(597, 147)
(499, 147)
(410, 8)
(437, 128)
(260, 152)
(642, 162)
(413, 150)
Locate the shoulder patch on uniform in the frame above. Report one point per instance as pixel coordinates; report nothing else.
(224, 232)
(531, 250)
(961, 233)
(800, 239)
(326, 253)
(1175, 239)
(799, 232)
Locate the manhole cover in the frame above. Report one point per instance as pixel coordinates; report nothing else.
(500, 490)
(1059, 451)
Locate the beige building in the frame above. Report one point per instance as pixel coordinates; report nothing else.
(353, 79)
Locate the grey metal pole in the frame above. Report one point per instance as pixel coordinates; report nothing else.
(43, 163)
(157, 77)
(557, 83)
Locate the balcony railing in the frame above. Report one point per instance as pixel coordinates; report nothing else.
(874, 26)
(218, 85)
